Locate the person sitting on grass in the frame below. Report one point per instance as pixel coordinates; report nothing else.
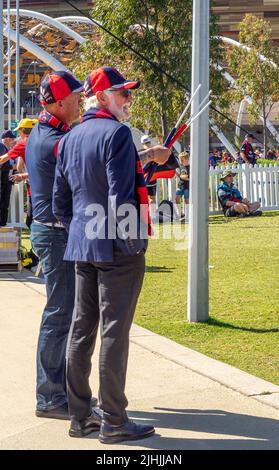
(231, 200)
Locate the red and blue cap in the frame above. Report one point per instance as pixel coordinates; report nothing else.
(57, 86)
(105, 78)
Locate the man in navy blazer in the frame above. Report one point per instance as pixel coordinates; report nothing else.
(99, 186)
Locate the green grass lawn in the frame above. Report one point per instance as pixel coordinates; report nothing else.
(243, 328)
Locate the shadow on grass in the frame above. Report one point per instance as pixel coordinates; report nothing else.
(220, 324)
(220, 219)
(158, 269)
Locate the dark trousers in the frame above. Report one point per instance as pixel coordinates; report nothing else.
(50, 244)
(105, 293)
(5, 194)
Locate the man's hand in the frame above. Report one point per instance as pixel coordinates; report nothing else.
(159, 154)
(17, 178)
(4, 159)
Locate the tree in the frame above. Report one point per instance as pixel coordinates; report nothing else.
(255, 77)
(162, 31)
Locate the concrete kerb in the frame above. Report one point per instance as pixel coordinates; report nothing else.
(224, 374)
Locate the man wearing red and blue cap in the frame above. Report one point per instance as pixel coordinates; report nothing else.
(60, 97)
(98, 176)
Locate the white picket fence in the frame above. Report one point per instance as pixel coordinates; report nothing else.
(258, 183)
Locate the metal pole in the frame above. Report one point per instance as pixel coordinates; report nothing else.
(9, 65)
(17, 94)
(198, 222)
(2, 117)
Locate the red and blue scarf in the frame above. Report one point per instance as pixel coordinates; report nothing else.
(140, 186)
(47, 118)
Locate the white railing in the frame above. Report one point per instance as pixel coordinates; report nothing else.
(258, 183)
(16, 212)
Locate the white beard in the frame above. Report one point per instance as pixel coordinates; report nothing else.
(120, 112)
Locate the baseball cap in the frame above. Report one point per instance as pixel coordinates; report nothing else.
(227, 173)
(26, 124)
(8, 135)
(104, 78)
(145, 139)
(57, 86)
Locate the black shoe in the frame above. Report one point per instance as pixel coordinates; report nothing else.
(62, 412)
(86, 426)
(129, 431)
(256, 213)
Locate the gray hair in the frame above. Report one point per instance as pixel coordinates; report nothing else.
(91, 102)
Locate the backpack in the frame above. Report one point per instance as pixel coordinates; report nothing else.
(165, 211)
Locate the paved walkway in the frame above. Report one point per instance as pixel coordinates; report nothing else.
(194, 402)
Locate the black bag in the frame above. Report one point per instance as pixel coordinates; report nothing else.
(165, 211)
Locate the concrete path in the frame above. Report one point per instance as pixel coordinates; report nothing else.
(193, 401)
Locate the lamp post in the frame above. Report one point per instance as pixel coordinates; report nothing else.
(9, 63)
(32, 93)
(1, 70)
(198, 221)
(34, 62)
(17, 88)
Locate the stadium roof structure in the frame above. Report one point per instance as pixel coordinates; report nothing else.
(46, 43)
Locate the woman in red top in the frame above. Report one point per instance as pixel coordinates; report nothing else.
(18, 151)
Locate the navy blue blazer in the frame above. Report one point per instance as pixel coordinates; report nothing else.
(95, 174)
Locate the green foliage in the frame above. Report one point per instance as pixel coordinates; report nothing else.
(255, 77)
(162, 31)
(265, 161)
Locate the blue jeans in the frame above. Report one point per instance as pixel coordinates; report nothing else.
(183, 192)
(50, 244)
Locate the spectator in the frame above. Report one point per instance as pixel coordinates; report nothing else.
(225, 158)
(247, 152)
(231, 200)
(8, 141)
(218, 155)
(151, 187)
(271, 154)
(109, 270)
(183, 176)
(212, 160)
(24, 129)
(60, 95)
(257, 154)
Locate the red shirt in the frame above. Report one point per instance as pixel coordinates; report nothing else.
(18, 151)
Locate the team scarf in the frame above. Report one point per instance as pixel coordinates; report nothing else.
(140, 186)
(47, 118)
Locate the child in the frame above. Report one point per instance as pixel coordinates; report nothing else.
(183, 186)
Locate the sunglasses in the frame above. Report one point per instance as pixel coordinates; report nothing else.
(124, 93)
